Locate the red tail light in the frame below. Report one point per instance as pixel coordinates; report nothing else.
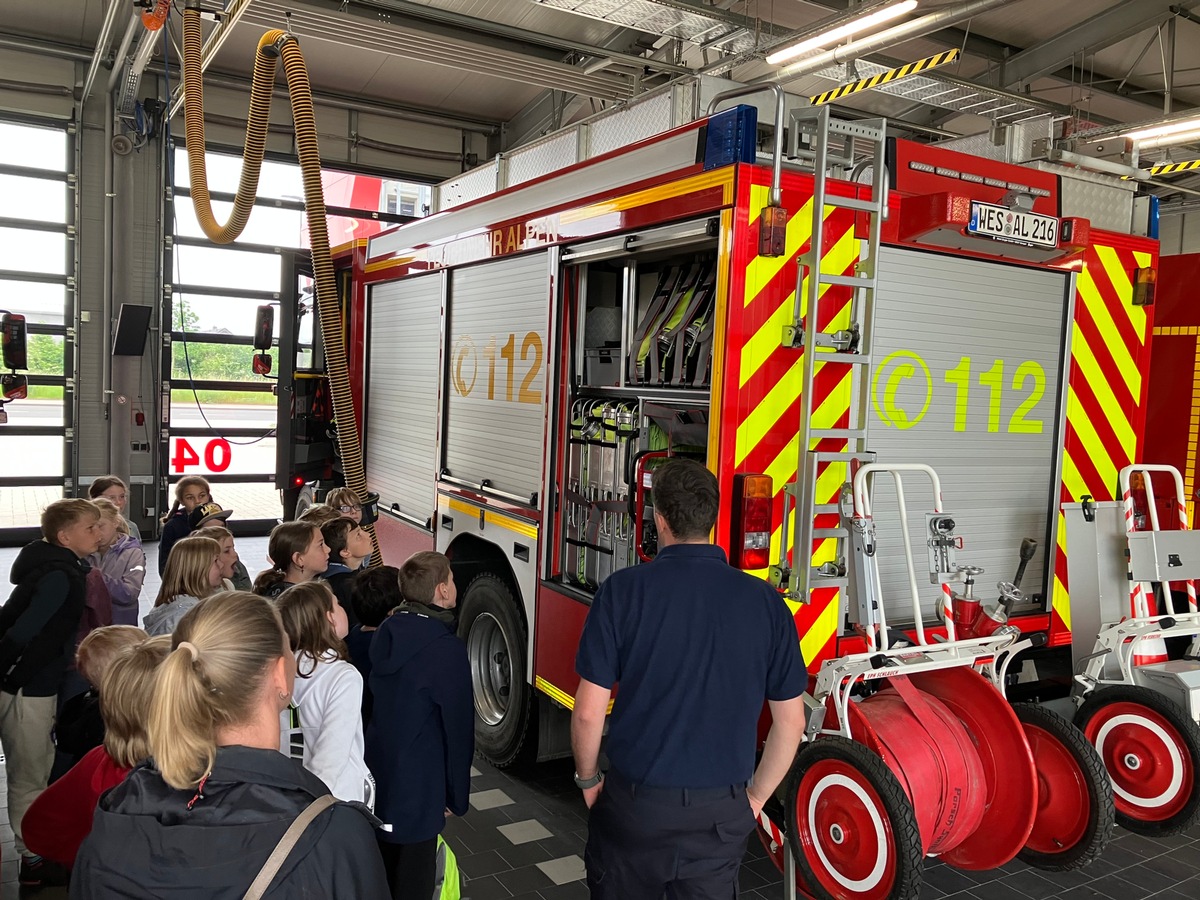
(753, 502)
(298, 481)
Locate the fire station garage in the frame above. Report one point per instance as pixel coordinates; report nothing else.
(370, 325)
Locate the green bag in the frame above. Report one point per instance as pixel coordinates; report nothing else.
(446, 887)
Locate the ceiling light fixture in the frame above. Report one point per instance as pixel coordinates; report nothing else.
(1159, 131)
(1191, 136)
(853, 27)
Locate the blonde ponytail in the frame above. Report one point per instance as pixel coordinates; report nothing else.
(212, 678)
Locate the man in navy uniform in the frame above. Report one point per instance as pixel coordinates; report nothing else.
(697, 646)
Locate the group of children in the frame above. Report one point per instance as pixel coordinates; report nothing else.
(379, 702)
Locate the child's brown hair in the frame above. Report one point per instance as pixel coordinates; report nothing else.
(101, 646)
(421, 574)
(63, 514)
(182, 485)
(305, 610)
(318, 514)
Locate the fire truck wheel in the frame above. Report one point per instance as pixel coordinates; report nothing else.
(489, 623)
(1075, 816)
(852, 830)
(1151, 749)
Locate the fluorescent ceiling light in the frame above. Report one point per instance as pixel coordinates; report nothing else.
(1158, 131)
(856, 26)
(1170, 140)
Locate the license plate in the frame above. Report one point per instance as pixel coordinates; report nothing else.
(1014, 226)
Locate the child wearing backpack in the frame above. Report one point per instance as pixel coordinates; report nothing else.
(323, 726)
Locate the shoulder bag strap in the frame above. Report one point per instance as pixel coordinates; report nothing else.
(286, 843)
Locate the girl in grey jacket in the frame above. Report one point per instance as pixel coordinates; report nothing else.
(193, 572)
(121, 562)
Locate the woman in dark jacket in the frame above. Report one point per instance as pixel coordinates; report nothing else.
(201, 818)
(422, 733)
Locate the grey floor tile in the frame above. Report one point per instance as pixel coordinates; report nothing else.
(563, 869)
(479, 865)
(527, 879)
(524, 832)
(490, 799)
(486, 889)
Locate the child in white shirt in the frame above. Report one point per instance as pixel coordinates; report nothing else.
(323, 725)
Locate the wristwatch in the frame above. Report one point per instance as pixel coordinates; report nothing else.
(584, 783)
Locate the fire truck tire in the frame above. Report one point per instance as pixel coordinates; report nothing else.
(1151, 750)
(1075, 817)
(489, 623)
(306, 497)
(851, 827)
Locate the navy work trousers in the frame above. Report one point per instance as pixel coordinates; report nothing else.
(646, 843)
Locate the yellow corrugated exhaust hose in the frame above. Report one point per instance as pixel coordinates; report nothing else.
(275, 45)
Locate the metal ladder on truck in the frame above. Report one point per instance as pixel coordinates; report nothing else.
(847, 348)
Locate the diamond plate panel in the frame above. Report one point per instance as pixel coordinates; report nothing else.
(548, 155)
(684, 95)
(629, 124)
(479, 182)
(1105, 200)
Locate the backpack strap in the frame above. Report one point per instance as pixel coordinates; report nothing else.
(275, 861)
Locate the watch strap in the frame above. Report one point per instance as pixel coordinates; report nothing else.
(585, 783)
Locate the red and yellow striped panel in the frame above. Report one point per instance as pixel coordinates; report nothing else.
(1106, 391)
(762, 380)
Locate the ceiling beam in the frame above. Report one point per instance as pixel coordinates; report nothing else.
(1095, 33)
(408, 12)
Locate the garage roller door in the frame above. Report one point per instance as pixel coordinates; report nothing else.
(968, 359)
(402, 392)
(496, 390)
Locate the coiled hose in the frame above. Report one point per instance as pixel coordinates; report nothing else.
(271, 47)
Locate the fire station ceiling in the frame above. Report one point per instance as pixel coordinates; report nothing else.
(533, 65)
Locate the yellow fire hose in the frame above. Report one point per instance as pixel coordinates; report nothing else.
(271, 47)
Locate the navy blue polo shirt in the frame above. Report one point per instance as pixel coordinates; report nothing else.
(697, 646)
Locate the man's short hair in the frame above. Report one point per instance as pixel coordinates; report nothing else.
(421, 574)
(63, 514)
(685, 494)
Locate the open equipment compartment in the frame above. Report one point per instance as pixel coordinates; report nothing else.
(639, 386)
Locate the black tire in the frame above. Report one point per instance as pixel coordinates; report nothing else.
(843, 757)
(1124, 763)
(1058, 746)
(489, 623)
(300, 499)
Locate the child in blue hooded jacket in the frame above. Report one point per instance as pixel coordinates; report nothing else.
(421, 738)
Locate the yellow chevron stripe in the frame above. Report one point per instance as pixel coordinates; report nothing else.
(1103, 317)
(1092, 445)
(762, 269)
(1124, 288)
(719, 360)
(1060, 598)
(1072, 480)
(765, 341)
(821, 632)
(1193, 430)
(757, 423)
(1082, 355)
(866, 84)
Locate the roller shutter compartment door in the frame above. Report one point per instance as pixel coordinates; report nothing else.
(402, 391)
(967, 368)
(496, 374)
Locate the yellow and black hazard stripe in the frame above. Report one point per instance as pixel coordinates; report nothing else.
(912, 68)
(1174, 168)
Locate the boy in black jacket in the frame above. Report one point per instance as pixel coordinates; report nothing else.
(422, 733)
(37, 639)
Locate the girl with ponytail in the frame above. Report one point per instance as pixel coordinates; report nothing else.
(216, 768)
(298, 554)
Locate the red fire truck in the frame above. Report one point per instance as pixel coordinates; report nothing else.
(522, 361)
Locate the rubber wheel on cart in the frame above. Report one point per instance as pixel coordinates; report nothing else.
(489, 623)
(1151, 750)
(852, 830)
(1075, 815)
